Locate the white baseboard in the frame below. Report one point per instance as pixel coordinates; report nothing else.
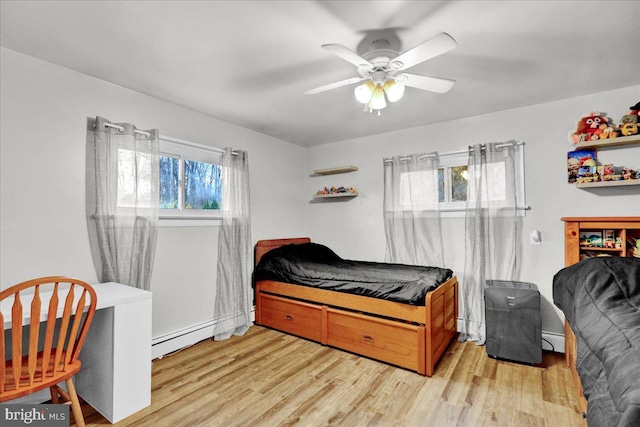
(168, 343)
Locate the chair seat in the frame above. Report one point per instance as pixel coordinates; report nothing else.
(9, 392)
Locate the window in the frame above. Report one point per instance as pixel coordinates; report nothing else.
(133, 182)
(190, 180)
(452, 183)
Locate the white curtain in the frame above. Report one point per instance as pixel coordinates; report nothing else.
(411, 216)
(234, 296)
(122, 178)
(491, 227)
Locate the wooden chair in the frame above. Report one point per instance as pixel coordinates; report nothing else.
(38, 363)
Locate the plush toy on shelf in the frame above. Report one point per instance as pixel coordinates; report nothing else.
(590, 128)
(629, 123)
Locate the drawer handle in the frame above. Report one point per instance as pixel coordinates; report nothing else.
(367, 338)
(288, 317)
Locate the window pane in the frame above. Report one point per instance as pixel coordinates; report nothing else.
(134, 183)
(418, 190)
(169, 182)
(497, 187)
(202, 185)
(458, 183)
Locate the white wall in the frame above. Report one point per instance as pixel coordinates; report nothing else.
(44, 109)
(355, 228)
(42, 152)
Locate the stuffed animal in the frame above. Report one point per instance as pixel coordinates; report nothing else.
(604, 132)
(590, 123)
(629, 122)
(588, 128)
(628, 128)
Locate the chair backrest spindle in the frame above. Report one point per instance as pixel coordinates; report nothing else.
(62, 331)
(34, 332)
(16, 334)
(77, 317)
(51, 324)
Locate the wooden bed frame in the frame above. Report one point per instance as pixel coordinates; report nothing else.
(413, 337)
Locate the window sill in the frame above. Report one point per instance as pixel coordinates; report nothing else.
(189, 222)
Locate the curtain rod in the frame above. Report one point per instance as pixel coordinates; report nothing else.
(402, 159)
(449, 153)
(168, 138)
(506, 144)
(194, 144)
(121, 129)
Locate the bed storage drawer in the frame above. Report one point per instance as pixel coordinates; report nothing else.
(295, 317)
(380, 339)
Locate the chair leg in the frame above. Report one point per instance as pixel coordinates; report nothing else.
(55, 397)
(75, 403)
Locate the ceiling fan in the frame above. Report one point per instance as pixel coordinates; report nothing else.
(384, 70)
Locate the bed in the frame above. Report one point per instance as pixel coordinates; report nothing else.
(600, 298)
(393, 323)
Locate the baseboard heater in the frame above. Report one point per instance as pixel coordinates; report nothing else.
(173, 341)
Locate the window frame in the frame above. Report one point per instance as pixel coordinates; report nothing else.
(447, 160)
(187, 150)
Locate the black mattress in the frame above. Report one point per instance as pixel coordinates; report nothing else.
(315, 265)
(600, 298)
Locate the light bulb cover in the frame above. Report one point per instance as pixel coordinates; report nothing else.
(393, 90)
(377, 99)
(364, 91)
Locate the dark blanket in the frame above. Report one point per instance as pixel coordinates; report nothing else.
(312, 264)
(600, 298)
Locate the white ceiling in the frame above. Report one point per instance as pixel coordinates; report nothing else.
(250, 62)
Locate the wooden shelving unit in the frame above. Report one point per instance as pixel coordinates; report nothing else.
(603, 144)
(334, 196)
(332, 171)
(624, 227)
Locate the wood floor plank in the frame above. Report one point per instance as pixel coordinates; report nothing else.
(267, 378)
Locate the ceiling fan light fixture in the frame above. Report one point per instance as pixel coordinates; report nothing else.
(378, 102)
(393, 90)
(364, 92)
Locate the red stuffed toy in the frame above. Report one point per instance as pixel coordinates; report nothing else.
(590, 123)
(589, 127)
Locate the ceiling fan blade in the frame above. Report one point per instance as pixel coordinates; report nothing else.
(436, 45)
(432, 84)
(335, 85)
(348, 55)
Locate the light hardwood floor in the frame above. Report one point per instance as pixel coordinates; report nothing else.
(267, 378)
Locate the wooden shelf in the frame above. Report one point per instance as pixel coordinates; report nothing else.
(605, 143)
(599, 249)
(334, 195)
(623, 182)
(331, 171)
